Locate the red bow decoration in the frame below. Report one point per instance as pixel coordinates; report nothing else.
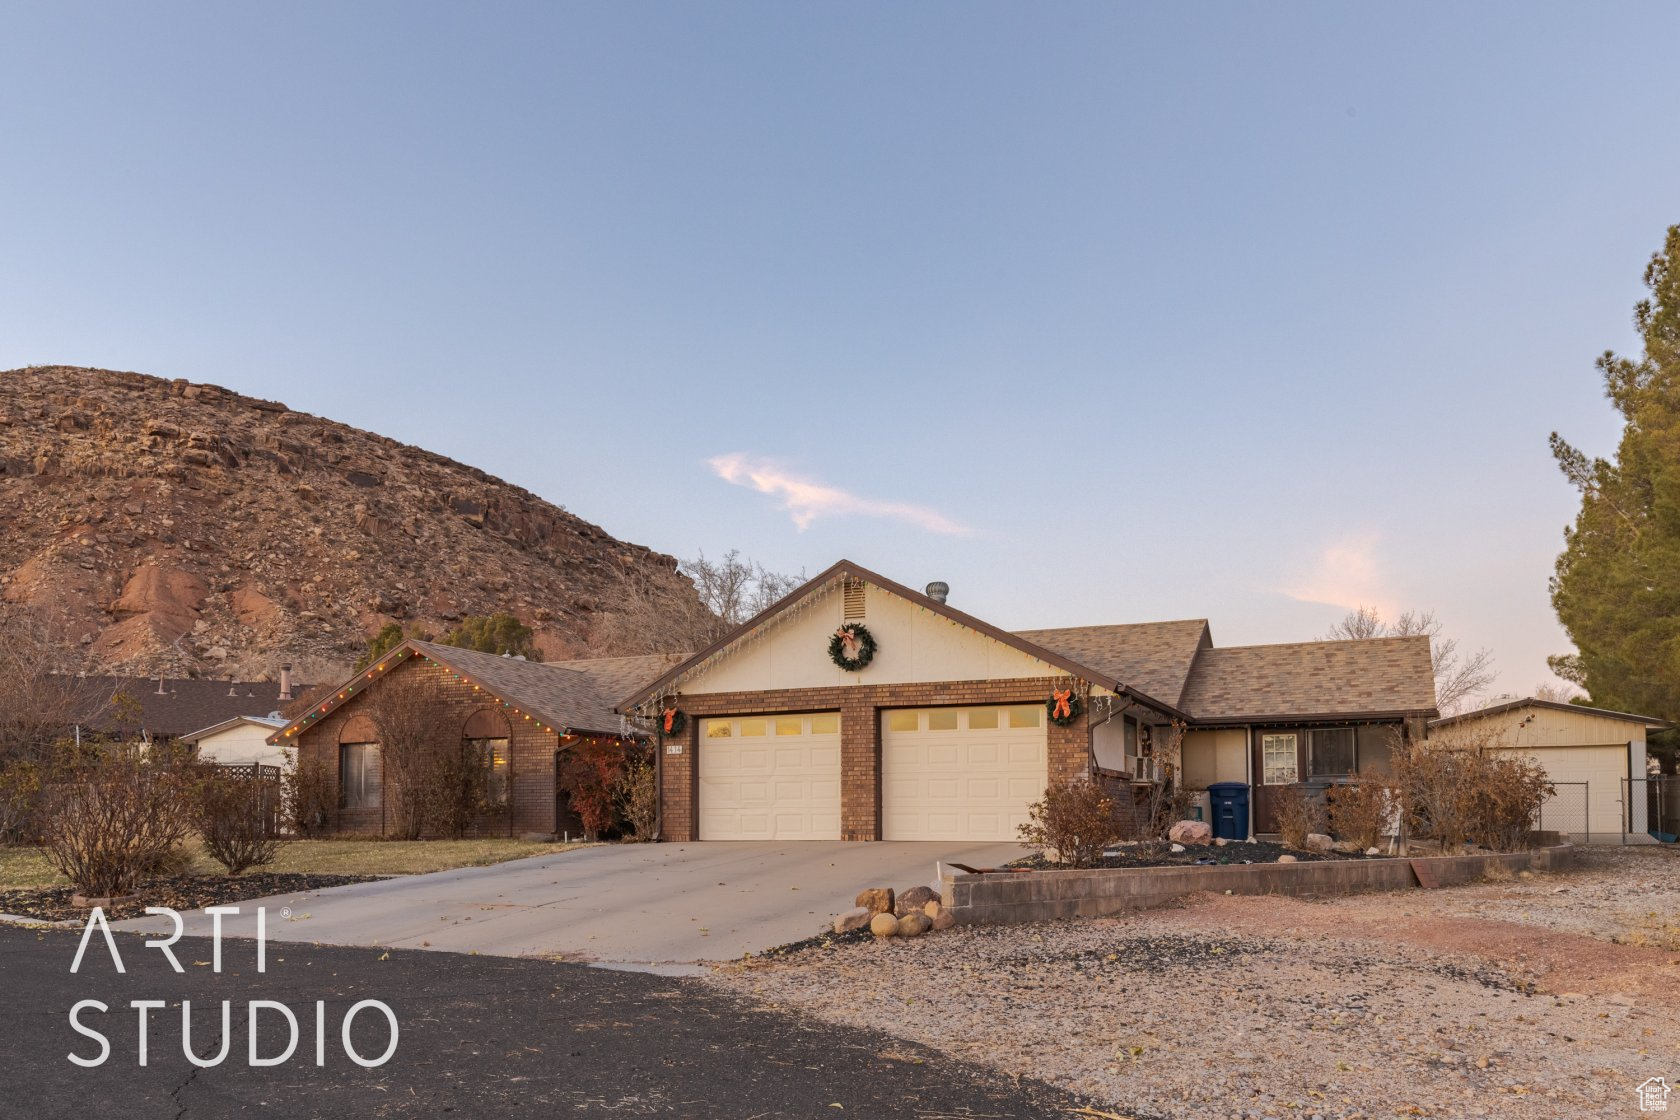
(1063, 709)
(670, 718)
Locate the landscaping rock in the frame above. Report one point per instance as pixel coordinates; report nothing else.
(1287, 859)
(914, 899)
(944, 919)
(914, 925)
(933, 908)
(852, 919)
(884, 925)
(1176, 849)
(1220, 841)
(1373, 851)
(876, 900)
(1190, 832)
(1318, 842)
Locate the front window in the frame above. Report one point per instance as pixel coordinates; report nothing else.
(358, 776)
(492, 755)
(1277, 753)
(1331, 753)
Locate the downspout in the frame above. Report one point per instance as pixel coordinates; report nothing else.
(1248, 773)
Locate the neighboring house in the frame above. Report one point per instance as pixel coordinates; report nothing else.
(1589, 753)
(240, 741)
(517, 714)
(946, 735)
(162, 709)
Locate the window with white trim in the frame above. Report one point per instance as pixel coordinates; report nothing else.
(1278, 762)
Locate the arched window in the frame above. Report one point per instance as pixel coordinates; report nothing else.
(360, 774)
(485, 737)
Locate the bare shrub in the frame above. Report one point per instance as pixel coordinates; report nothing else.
(230, 811)
(307, 801)
(1297, 815)
(1437, 786)
(637, 795)
(1075, 821)
(1510, 791)
(1167, 802)
(112, 815)
(406, 711)
(20, 789)
(461, 781)
(1359, 811)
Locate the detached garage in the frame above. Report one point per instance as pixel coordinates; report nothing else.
(1589, 754)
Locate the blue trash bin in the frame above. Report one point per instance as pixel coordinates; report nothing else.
(1230, 810)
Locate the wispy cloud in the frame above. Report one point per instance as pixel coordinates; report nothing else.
(806, 500)
(1347, 574)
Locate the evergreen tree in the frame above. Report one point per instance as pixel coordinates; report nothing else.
(495, 633)
(1617, 585)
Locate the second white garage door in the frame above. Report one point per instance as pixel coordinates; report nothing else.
(961, 773)
(770, 777)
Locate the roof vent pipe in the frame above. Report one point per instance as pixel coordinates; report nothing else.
(938, 590)
(285, 683)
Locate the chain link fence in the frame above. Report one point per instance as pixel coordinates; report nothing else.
(1651, 807)
(1565, 812)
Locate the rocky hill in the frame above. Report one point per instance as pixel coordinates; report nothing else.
(168, 527)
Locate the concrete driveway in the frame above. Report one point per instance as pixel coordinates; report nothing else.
(624, 903)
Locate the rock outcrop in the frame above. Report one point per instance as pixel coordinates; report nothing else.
(169, 527)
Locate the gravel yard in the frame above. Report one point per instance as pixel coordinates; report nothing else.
(1538, 997)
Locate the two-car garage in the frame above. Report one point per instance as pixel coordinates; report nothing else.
(965, 773)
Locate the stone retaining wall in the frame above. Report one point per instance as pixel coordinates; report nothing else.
(1042, 895)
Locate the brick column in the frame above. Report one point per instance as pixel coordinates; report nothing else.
(677, 785)
(860, 768)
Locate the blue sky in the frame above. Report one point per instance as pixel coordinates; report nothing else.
(1098, 312)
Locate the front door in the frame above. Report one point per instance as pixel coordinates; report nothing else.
(1277, 764)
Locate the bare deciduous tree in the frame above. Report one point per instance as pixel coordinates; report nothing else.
(651, 617)
(409, 717)
(41, 697)
(1458, 676)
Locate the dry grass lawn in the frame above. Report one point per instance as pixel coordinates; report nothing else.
(28, 867)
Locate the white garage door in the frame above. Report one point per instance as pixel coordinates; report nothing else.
(770, 778)
(1597, 808)
(961, 773)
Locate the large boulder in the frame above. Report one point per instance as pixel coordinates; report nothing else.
(884, 925)
(944, 919)
(914, 899)
(1318, 842)
(852, 919)
(876, 900)
(1190, 832)
(914, 924)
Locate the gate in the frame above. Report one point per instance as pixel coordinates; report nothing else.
(1651, 807)
(1565, 812)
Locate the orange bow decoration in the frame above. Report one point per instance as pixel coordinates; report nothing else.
(670, 718)
(1064, 707)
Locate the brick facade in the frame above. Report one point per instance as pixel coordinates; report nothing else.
(860, 708)
(531, 757)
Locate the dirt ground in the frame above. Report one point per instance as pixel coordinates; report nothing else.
(1544, 996)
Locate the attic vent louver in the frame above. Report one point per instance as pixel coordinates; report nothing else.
(854, 599)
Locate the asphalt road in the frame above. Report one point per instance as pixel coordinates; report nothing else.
(479, 1036)
(616, 902)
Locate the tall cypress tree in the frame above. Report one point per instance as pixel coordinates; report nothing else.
(1617, 585)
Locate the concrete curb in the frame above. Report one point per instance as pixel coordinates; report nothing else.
(1046, 895)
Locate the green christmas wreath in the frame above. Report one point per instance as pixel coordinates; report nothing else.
(672, 720)
(1064, 706)
(852, 646)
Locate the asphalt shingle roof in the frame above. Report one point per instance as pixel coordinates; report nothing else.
(577, 694)
(184, 706)
(1366, 677)
(1153, 657)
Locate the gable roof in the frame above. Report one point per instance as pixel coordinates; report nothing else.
(1357, 679)
(184, 705)
(564, 695)
(1154, 657)
(1650, 723)
(847, 569)
(270, 722)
